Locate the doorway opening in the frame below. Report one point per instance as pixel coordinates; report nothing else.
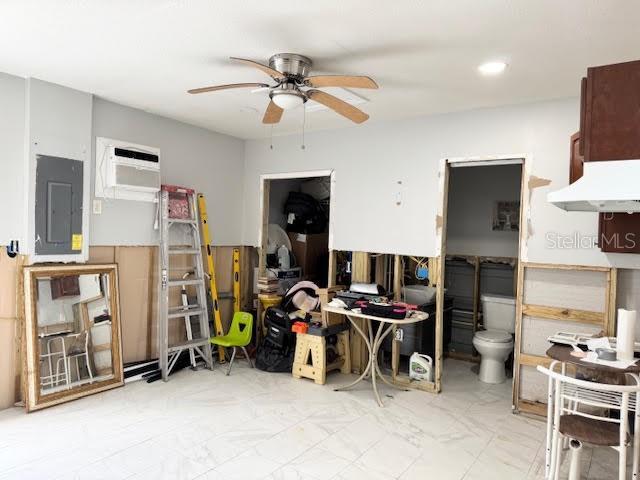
(481, 246)
(296, 228)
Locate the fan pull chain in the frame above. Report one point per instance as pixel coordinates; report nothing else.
(304, 121)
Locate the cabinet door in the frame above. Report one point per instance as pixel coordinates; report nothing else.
(612, 113)
(576, 161)
(619, 232)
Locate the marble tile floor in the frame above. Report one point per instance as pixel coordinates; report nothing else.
(254, 425)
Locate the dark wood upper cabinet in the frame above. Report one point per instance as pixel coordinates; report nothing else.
(610, 113)
(68, 286)
(619, 232)
(610, 130)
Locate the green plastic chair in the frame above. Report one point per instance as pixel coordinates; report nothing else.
(239, 335)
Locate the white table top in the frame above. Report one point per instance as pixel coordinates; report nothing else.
(413, 316)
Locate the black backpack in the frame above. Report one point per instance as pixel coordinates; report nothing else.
(277, 350)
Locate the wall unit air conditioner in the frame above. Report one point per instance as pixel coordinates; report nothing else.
(126, 170)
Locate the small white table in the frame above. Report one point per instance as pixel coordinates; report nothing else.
(374, 342)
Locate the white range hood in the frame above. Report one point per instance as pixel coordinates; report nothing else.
(612, 186)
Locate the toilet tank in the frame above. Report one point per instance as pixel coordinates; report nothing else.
(499, 312)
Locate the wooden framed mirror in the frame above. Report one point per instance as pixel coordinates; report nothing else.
(71, 342)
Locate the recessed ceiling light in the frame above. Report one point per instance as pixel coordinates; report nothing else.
(492, 68)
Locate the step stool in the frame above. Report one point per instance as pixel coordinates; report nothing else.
(313, 346)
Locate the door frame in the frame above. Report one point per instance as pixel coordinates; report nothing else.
(441, 236)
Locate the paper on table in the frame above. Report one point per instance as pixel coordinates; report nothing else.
(592, 357)
(600, 342)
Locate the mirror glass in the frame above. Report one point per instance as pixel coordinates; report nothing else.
(74, 331)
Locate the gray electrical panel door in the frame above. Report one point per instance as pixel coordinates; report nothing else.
(58, 213)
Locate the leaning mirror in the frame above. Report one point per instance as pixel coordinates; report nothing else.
(71, 337)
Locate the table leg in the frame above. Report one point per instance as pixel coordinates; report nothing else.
(368, 368)
(377, 366)
(373, 362)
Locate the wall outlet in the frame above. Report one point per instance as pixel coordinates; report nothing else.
(97, 207)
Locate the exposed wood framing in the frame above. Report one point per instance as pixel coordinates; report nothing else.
(397, 289)
(361, 272)
(604, 319)
(518, 334)
(440, 266)
(333, 268)
(567, 314)
(534, 360)
(439, 319)
(476, 292)
(532, 408)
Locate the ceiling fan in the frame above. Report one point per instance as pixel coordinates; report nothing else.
(294, 87)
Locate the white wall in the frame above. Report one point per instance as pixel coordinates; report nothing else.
(370, 160)
(473, 192)
(211, 163)
(12, 158)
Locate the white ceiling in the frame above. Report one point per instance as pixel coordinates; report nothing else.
(423, 54)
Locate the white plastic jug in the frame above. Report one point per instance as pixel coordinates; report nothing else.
(420, 367)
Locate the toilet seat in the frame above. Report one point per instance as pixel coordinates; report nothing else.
(493, 336)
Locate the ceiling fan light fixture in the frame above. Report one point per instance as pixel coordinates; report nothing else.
(288, 101)
(492, 68)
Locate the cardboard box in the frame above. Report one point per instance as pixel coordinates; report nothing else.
(308, 249)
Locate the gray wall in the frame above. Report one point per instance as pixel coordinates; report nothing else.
(472, 194)
(12, 159)
(211, 163)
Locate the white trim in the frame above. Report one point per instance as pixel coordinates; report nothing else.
(486, 163)
(303, 174)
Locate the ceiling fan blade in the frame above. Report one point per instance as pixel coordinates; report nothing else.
(349, 81)
(273, 113)
(276, 75)
(339, 106)
(226, 87)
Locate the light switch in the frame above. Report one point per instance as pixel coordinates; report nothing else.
(97, 207)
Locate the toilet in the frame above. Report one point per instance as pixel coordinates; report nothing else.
(495, 343)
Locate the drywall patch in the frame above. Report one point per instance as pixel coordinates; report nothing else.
(439, 223)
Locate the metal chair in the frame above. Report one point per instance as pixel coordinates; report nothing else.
(590, 412)
(73, 352)
(239, 335)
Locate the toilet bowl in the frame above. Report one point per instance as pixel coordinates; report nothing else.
(495, 343)
(494, 347)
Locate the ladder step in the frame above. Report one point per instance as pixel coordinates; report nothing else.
(184, 251)
(197, 342)
(179, 283)
(181, 313)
